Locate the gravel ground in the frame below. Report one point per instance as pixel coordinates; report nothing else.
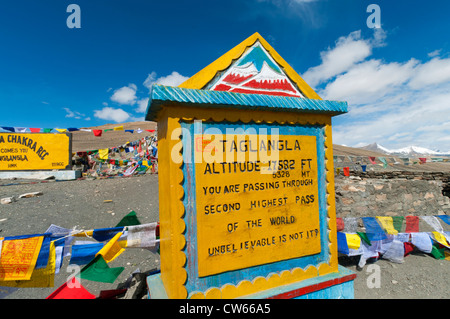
(81, 203)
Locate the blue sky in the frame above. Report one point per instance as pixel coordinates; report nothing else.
(396, 79)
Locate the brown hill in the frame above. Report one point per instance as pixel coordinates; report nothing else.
(86, 141)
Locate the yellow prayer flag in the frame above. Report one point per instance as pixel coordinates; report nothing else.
(118, 128)
(440, 238)
(103, 153)
(388, 224)
(112, 249)
(40, 278)
(61, 130)
(18, 258)
(353, 241)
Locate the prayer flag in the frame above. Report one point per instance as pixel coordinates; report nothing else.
(61, 130)
(71, 290)
(395, 252)
(388, 224)
(372, 159)
(383, 160)
(342, 243)
(103, 153)
(118, 128)
(440, 238)
(34, 130)
(445, 218)
(112, 249)
(353, 241)
(350, 224)
(7, 128)
(103, 234)
(97, 132)
(98, 270)
(422, 241)
(364, 238)
(40, 278)
(129, 220)
(84, 253)
(129, 131)
(47, 130)
(18, 258)
(72, 129)
(142, 236)
(397, 221)
(20, 129)
(438, 253)
(108, 129)
(346, 171)
(423, 160)
(373, 229)
(340, 224)
(412, 224)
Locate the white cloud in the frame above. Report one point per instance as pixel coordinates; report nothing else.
(347, 52)
(173, 79)
(396, 104)
(112, 114)
(125, 95)
(368, 81)
(73, 114)
(142, 105)
(433, 72)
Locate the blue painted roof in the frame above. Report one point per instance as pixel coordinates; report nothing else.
(168, 95)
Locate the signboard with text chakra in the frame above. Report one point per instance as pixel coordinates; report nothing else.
(257, 200)
(26, 151)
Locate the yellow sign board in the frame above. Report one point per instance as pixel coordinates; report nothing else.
(26, 151)
(256, 200)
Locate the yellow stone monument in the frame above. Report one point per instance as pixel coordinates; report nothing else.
(246, 183)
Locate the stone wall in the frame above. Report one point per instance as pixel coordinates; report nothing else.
(392, 193)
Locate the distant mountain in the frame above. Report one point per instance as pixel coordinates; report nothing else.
(405, 151)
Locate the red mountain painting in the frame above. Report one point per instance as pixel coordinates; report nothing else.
(256, 72)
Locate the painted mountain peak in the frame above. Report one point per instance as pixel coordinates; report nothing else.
(255, 72)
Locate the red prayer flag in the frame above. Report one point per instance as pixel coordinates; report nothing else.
(408, 248)
(423, 160)
(347, 171)
(339, 224)
(97, 132)
(412, 224)
(151, 131)
(34, 130)
(372, 159)
(73, 291)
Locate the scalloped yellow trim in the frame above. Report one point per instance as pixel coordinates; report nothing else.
(203, 77)
(173, 271)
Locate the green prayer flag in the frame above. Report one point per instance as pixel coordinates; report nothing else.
(364, 237)
(47, 130)
(397, 222)
(98, 270)
(437, 253)
(129, 220)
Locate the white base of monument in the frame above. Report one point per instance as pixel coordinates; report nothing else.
(41, 175)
